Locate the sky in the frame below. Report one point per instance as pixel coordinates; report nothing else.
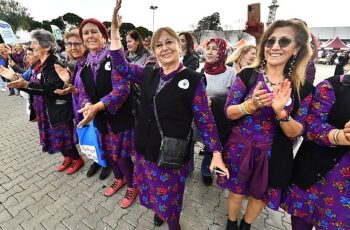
(182, 14)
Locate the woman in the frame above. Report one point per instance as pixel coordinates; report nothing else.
(107, 101)
(219, 78)
(182, 99)
(137, 52)
(320, 193)
(269, 108)
(53, 112)
(242, 57)
(190, 59)
(77, 52)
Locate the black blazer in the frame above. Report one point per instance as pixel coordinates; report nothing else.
(59, 107)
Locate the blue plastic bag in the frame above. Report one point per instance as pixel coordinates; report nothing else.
(90, 144)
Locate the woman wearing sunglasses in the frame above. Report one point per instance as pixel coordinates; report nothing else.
(269, 103)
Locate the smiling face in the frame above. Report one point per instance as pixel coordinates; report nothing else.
(30, 57)
(38, 50)
(250, 56)
(131, 44)
(92, 37)
(167, 49)
(211, 52)
(76, 47)
(279, 53)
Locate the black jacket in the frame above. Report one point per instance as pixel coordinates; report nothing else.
(59, 108)
(174, 109)
(313, 161)
(191, 61)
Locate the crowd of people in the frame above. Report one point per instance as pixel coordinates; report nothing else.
(150, 103)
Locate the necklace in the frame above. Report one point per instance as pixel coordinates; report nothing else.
(270, 84)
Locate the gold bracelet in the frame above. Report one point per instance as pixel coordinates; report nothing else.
(241, 108)
(246, 108)
(335, 136)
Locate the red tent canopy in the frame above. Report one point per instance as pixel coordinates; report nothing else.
(336, 44)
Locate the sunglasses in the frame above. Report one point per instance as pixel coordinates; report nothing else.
(282, 42)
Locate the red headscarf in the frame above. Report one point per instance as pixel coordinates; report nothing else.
(219, 66)
(99, 24)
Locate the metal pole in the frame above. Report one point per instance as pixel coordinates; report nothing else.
(153, 8)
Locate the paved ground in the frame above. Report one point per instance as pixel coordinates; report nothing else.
(34, 196)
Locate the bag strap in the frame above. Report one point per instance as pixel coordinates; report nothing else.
(156, 116)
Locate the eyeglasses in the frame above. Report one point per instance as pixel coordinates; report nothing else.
(167, 43)
(283, 42)
(75, 44)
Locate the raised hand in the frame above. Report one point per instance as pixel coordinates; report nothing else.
(116, 18)
(8, 73)
(62, 73)
(261, 97)
(282, 95)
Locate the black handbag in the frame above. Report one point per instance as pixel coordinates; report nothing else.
(172, 151)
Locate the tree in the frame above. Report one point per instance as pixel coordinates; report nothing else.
(59, 23)
(211, 22)
(107, 24)
(72, 19)
(15, 14)
(144, 32)
(124, 28)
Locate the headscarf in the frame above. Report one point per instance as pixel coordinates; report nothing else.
(96, 22)
(219, 66)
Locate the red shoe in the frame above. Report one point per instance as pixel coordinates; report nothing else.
(65, 164)
(76, 165)
(129, 197)
(117, 184)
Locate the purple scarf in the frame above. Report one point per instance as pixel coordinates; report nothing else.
(165, 78)
(95, 59)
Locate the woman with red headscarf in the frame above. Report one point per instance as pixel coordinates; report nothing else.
(219, 78)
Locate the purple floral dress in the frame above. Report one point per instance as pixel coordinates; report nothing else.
(162, 189)
(326, 204)
(52, 138)
(259, 128)
(115, 145)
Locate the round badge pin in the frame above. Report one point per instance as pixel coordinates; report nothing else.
(108, 66)
(184, 84)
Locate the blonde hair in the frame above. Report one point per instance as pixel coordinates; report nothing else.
(72, 33)
(157, 34)
(301, 58)
(238, 54)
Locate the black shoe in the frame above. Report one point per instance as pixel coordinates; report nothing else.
(157, 220)
(93, 169)
(201, 152)
(244, 225)
(105, 172)
(231, 225)
(207, 180)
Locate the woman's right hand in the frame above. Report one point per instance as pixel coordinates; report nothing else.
(69, 89)
(260, 98)
(62, 73)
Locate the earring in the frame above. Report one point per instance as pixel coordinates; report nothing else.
(291, 66)
(262, 66)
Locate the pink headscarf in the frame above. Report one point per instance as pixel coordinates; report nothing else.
(219, 66)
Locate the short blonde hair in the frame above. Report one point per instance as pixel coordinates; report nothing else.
(238, 54)
(72, 33)
(157, 34)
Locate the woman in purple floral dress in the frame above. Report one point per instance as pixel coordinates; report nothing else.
(180, 98)
(105, 98)
(269, 115)
(54, 112)
(320, 193)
